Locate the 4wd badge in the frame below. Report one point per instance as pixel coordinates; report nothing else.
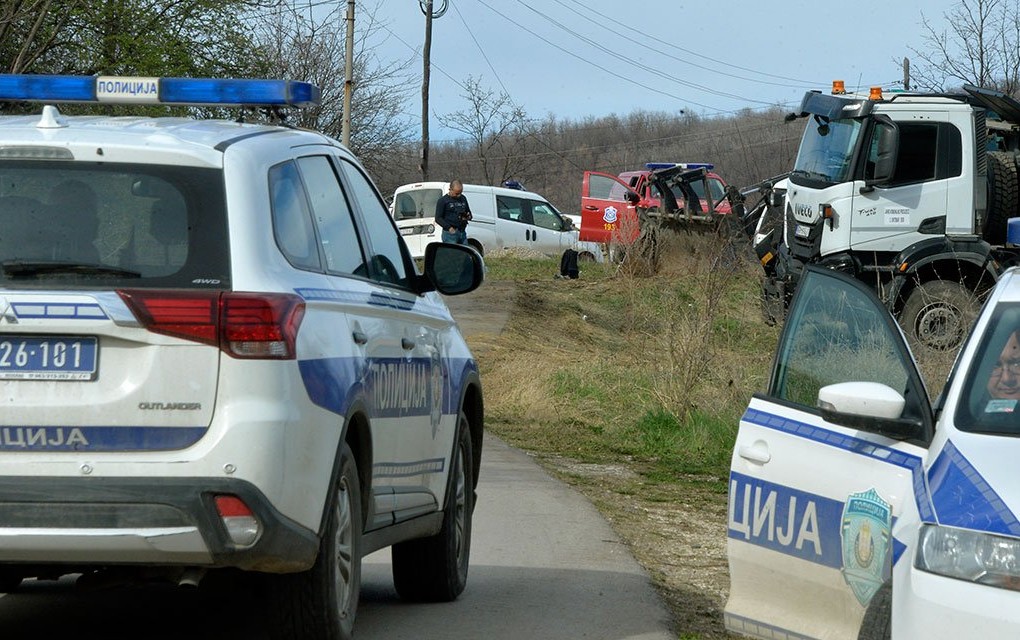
(610, 215)
(867, 523)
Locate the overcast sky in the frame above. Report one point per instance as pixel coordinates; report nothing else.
(575, 59)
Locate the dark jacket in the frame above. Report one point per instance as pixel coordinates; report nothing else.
(453, 212)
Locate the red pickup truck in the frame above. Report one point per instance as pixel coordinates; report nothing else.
(695, 194)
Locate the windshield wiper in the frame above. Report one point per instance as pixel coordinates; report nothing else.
(814, 175)
(26, 268)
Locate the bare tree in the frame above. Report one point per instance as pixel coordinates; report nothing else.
(980, 46)
(297, 44)
(496, 127)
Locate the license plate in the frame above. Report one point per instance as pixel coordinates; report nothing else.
(802, 231)
(47, 358)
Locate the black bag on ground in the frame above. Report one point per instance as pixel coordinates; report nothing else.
(568, 264)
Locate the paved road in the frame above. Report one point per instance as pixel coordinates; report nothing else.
(544, 565)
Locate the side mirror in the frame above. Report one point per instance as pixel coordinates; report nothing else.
(632, 197)
(885, 149)
(452, 269)
(868, 406)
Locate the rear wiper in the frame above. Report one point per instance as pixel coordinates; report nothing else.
(26, 268)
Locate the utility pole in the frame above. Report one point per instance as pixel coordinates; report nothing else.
(426, 8)
(906, 74)
(425, 91)
(345, 127)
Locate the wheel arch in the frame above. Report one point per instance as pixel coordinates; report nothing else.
(477, 246)
(358, 436)
(974, 270)
(473, 406)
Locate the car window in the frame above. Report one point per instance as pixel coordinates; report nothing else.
(337, 233)
(292, 222)
(516, 209)
(991, 394)
(418, 203)
(152, 225)
(836, 335)
(387, 261)
(545, 216)
(606, 188)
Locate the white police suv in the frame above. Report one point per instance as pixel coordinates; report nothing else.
(216, 352)
(859, 510)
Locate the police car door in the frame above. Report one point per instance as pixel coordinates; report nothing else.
(814, 498)
(412, 431)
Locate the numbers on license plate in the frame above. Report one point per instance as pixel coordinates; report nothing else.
(47, 358)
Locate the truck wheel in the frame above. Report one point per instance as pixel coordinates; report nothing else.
(939, 314)
(435, 569)
(1002, 195)
(323, 601)
(877, 623)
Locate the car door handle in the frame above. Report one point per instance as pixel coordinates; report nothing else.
(757, 452)
(407, 344)
(360, 337)
(591, 207)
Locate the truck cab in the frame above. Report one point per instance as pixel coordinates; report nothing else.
(906, 192)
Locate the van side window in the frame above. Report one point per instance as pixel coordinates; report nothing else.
(545, 216)
(515, 209)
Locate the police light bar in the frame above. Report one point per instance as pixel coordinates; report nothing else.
(653, 166)
(165, 91)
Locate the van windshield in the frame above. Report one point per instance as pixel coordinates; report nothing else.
(419, 203)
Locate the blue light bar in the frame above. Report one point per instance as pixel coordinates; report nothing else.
(653, 166)
(166, 91)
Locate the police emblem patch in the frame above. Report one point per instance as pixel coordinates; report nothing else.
(865, 532)
(610, 215)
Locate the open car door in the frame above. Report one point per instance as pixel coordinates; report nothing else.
(607, 209)
(827, 470)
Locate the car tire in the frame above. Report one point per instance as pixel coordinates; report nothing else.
(323, 601)
(938, 315)
(435, 569)
(877, 623)
(1002, 195)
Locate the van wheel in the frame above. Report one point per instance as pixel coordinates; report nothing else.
(877, 623)
(435, 569)
(477, 246)
(323, 601)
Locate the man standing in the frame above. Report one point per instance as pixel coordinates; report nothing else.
(453, 214)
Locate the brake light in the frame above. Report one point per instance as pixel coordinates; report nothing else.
(261, 325)
(243, 325)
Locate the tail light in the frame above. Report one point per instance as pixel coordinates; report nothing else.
(241, 524)
(243, 325)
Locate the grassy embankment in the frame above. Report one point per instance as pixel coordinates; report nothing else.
(613, 367)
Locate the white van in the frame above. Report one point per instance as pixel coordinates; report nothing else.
(501, 218)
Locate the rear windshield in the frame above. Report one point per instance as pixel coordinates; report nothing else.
(101, 225)
(420, 203)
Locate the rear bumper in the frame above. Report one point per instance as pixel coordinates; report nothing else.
(167, 521)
